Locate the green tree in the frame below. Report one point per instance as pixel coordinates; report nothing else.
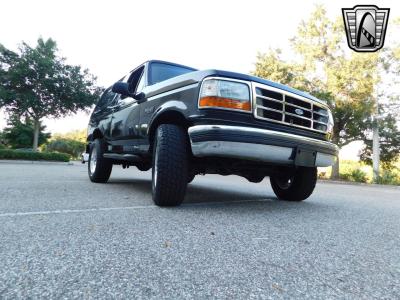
(72, 143)
(19, 134)
(76, 135)
(2, 140)
(37, 83)
(389, 136)
(326, 68)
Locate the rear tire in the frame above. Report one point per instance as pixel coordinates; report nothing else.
(170, 165)
(298, 187)
(99, 168)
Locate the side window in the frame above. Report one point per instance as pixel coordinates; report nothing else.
(140, 85)
(135, 80)
(105, 99)
(102, 101)
(110, 97)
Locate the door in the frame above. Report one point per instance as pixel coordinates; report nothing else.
(102, 114)
(125, 117)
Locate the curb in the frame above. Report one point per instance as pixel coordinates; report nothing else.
(328, 181)
(34, 162)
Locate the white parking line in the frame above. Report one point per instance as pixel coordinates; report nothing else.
(72, 211)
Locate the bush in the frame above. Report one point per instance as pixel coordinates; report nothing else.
(358, 176)
(18, 154)
(64, 145)
(355, 171)
(360, 172)
(389, 177)
(345, 176)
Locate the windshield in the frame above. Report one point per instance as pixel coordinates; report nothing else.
(160, 72)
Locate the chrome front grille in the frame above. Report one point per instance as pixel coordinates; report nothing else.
(275, 105)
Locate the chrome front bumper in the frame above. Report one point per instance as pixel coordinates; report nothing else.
(260, 145)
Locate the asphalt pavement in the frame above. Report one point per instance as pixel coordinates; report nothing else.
(65, 237)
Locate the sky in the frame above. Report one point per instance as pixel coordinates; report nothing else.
(112, 37)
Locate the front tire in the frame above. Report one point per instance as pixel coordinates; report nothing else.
(297, 187)
(170, 165)
(99, 168)
(191, 177)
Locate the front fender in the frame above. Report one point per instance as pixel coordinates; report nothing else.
(169, 111)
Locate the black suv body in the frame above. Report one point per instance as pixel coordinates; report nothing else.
(182, 122)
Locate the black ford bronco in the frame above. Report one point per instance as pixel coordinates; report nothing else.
(181, 122)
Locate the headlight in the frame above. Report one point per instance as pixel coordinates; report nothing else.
(225, 94)
(330, 123)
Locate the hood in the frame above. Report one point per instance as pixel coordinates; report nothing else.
(197, 76)
(221, 73)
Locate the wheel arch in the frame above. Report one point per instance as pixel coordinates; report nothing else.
(96, 134)
(170, 116)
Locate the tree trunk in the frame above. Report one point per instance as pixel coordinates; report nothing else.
(375, 152)
(335, 170)
(335, 167)
(36, 135)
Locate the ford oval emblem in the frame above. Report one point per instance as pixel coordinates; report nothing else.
(299, 111)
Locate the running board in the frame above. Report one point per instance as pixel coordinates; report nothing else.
(126, 157)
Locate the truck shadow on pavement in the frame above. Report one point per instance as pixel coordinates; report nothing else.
(195, 193)
(248, 198)
(202, 193)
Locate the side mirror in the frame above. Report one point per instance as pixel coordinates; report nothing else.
(141, 97)
(121, 88)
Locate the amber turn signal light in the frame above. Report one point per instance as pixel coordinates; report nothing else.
(214, 101)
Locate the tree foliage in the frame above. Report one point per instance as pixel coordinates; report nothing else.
(326, 68)
(389, 136)
(76, 135)
(2, 140)
(19, 134)
(72, 143)
(37, 83)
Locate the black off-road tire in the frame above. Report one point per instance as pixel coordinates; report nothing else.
(297, 187)
(101, 171)
(191, 177)
(170, 165)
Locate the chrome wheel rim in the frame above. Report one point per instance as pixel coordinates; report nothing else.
(93, 160)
